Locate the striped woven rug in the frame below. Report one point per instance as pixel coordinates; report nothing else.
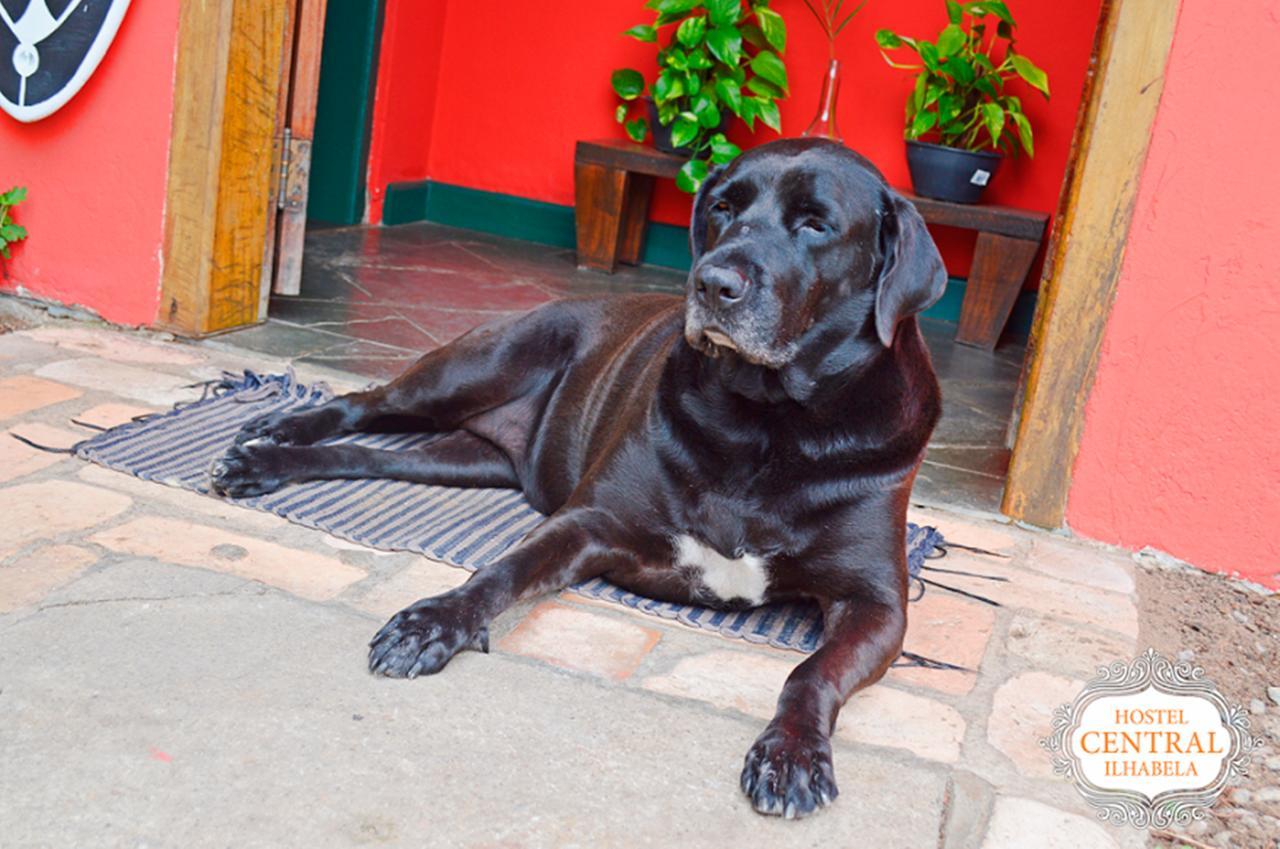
(464, 527)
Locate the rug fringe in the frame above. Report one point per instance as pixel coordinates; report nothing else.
(966, 574)
(920, 660)
(964, 593)
(974, 549)
(87, 426)
(46, 448)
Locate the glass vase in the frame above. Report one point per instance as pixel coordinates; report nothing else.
(824, 123)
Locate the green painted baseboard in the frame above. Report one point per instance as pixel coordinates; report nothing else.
(516, 218)
(552, 224)
(948, 308)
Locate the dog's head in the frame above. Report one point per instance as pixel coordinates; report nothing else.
(803, 257)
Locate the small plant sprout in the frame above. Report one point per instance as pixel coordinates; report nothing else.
(10, 232)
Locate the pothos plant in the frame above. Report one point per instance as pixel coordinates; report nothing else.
(960, 90)
(722, 57)
(10, 232)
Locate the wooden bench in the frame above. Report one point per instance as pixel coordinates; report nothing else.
(613, 182)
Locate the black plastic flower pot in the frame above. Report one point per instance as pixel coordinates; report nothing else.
(662, 135)
(950, 173)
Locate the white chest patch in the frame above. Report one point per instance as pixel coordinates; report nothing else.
(728, 577)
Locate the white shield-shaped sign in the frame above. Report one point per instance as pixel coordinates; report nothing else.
(48, 48)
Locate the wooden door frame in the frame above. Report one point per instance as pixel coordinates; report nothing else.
(224, 163)
(1086, 252)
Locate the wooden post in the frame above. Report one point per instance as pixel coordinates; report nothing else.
(1000, 266)
(599, 202)
(230, 60)
(1084, 265)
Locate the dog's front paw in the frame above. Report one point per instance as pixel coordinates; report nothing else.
(263, 429)
(288, 427)
(788, 772)
(421, 639)
(248, 470)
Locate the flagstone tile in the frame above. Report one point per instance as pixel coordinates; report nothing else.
(1021, 715)
(115, 345)
(1066, 648)
(880, 715)
(140, 384)
(747, 682)
(113, 414)
(884, 716)
(1018, 823)
(27, 579)
(423, 579)
(1081, 564)
(1035, 591)
(48, 509)
(23, 393)
(942, 626)
(309, 575)
(581, 640)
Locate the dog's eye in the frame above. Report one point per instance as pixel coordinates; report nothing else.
(722, 207)
(813, 225)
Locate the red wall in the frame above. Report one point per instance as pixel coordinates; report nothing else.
(1179, 449)
(96, 171)
(517, 89)
(405, 96)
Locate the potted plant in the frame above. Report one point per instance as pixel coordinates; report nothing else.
(722, 58)
(960, 99)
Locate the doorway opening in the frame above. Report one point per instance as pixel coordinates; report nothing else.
(373, 298)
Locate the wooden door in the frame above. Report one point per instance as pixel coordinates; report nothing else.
(297, 122)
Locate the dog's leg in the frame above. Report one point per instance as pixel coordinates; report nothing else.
(421, 639)
(788, 770)
(456, 459)
(483, 370)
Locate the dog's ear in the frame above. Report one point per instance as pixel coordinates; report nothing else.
(912, 276)
(698, 226)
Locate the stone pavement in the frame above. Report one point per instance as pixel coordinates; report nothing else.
(177, 671)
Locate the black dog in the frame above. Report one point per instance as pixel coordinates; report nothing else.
(752, 442)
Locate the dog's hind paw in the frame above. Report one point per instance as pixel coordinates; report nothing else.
(247, 470)
(421, 639)
(788, 772)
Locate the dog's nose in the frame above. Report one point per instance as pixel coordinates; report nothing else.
(720, 286)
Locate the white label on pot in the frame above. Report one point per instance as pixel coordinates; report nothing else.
(980, 177)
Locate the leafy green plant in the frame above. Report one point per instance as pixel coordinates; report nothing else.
(721, 56)
(960, 90)
(10, 232)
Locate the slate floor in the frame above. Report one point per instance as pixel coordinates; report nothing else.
(373, 299)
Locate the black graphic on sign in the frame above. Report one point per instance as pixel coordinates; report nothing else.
(48, 48)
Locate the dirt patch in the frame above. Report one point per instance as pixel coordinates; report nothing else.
(1233, 633)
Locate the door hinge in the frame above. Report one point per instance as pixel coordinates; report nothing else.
(295, 169)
